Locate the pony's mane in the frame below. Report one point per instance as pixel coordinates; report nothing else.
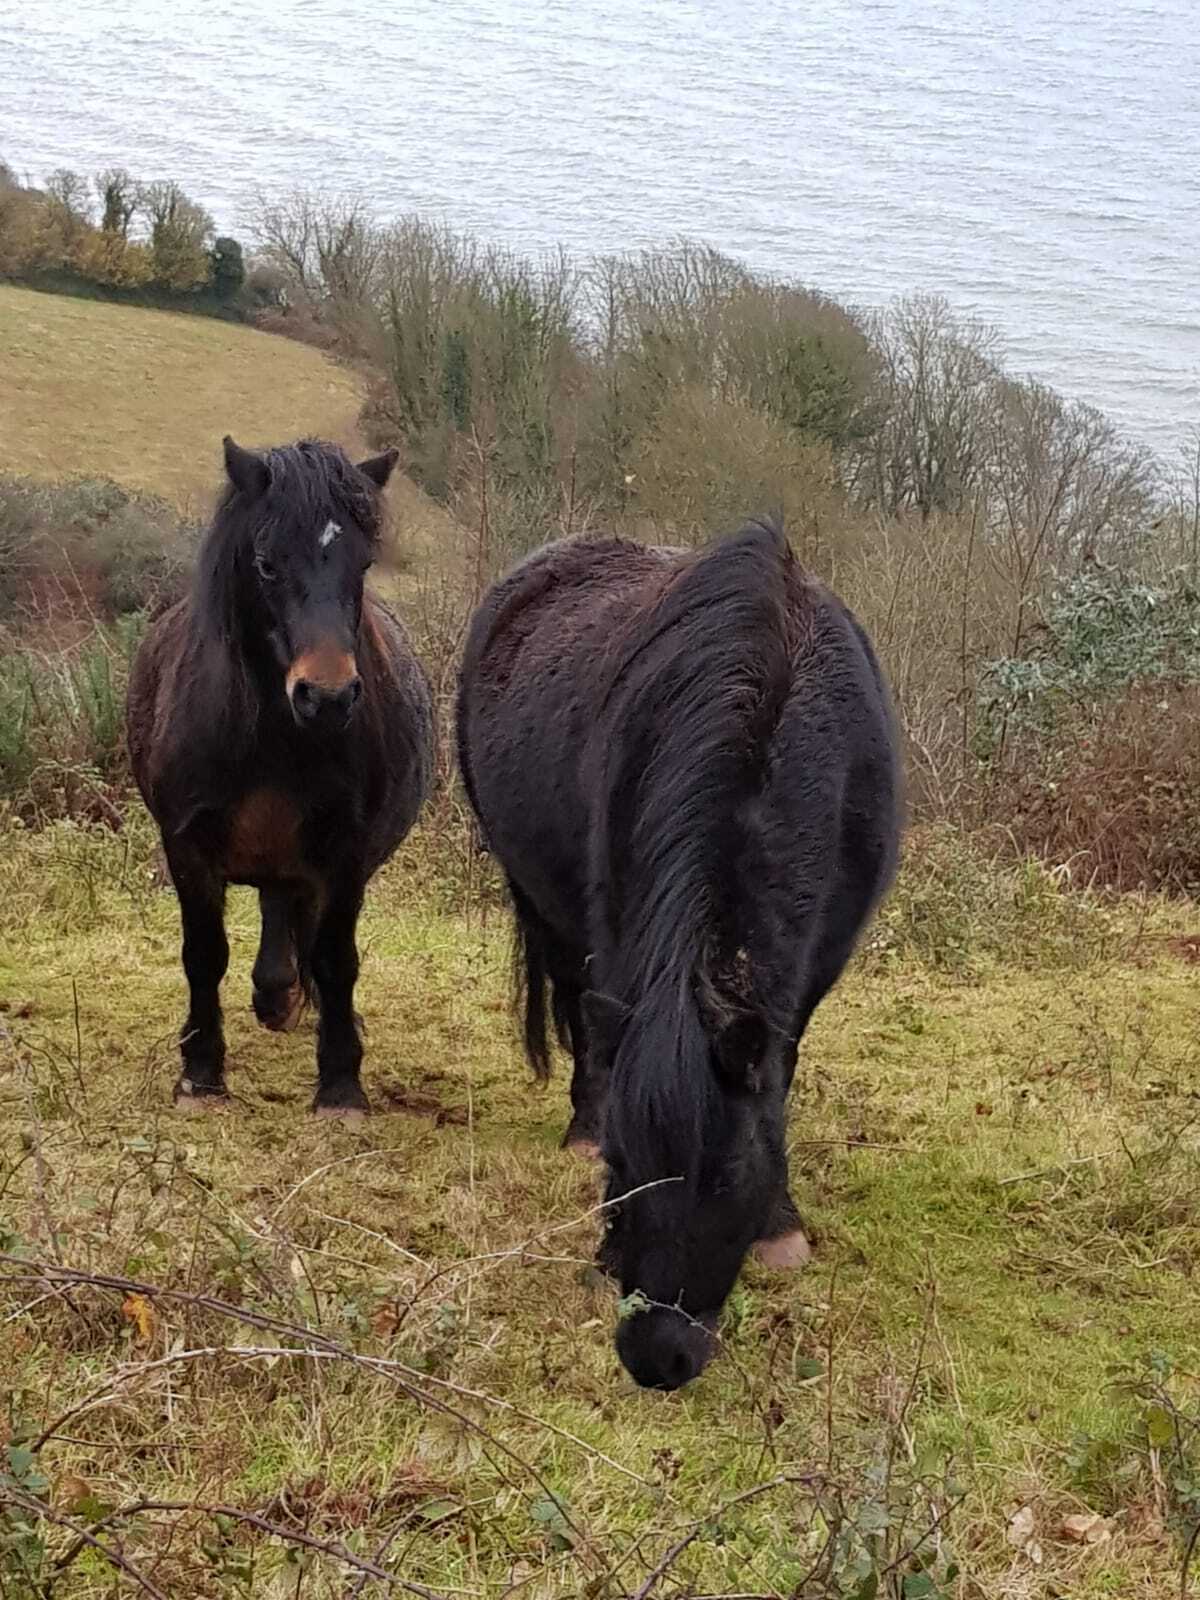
(694, 700)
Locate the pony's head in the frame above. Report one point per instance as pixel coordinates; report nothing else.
(305, 522)
(696, 1170)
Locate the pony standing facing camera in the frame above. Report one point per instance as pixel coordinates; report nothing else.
(281, 733)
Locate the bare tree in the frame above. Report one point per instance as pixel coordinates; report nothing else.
(69, 212)
(118, 196)
(328, 249)
(68, 192)
(284, 230)
(937, 377)
(180, 233)
(1063, 486)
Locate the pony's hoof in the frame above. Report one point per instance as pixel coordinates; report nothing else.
(580, 1140)
(348, 1103)
(786, 1253)
(191, 1098)
(581, 1145)
(352, 1116)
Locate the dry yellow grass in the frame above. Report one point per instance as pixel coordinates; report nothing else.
(144, 397)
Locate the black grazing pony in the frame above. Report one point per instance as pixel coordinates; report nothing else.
(281, 731)
(686, 764)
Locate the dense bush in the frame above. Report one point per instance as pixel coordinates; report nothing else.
(607, 386)
(81, 566)
(120, 238)
(85, 550)
(1100, 633)
(1091, 740)
(228, 268)
(1114, 798)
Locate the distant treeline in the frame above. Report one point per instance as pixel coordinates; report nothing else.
(676, 387)
(116, 236)
(1030, 574)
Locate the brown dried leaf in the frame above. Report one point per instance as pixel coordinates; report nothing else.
(139, 1311)
(385, 1319)
(71, 1492)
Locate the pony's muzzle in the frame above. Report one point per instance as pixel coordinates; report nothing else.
(315, 706)
(664, 1348)
(323, 691)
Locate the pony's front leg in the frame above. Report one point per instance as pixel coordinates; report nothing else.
(335, 971)
(785, 1242)
(205, 958)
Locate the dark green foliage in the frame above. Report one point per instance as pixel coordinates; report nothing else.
(228, 268)
(1102, 632)
(117, 193)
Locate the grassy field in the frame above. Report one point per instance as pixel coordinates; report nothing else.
(246, 1354)
(389, 1340)
(145, 397)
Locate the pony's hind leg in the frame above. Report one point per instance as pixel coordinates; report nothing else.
(335, 971)
(205, 957)
(303, 916)
(589, 1080)
(279, 994)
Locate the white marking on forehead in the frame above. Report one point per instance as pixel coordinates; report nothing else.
(332, 529)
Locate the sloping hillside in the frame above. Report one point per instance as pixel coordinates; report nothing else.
(98, 390)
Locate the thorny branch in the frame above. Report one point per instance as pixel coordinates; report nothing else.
(88, 1537)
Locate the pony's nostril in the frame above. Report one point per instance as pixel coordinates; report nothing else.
(305, 698)
(313, 702)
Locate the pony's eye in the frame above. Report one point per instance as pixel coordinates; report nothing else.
(264, 569)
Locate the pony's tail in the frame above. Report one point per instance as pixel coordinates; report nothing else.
(532, 979)
(694, 705)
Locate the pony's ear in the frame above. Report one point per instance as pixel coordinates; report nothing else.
(248, 472)
(379, 468)
(739, 1037)
(605, 1017)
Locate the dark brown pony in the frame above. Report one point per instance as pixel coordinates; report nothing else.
(280, 730)
(686, 764)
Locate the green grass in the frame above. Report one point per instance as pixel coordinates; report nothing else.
(999, 1163)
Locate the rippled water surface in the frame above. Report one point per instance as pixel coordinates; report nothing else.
(1038, 163)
